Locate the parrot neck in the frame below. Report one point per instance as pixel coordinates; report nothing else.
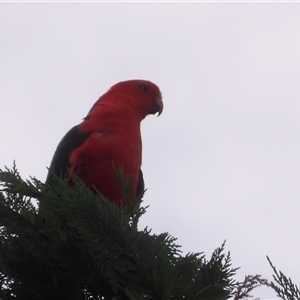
(108, 121)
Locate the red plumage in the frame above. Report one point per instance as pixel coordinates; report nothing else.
(109, 137)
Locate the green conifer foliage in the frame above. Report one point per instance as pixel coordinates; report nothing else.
(81, 246)
(62, 243)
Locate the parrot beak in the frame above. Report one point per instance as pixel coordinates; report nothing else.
(158, 106)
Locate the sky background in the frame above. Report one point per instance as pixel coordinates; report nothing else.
(222, 161)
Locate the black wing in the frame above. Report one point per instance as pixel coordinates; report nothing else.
(141, 185)
(60, 161)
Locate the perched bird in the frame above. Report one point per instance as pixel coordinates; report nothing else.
(109, 137)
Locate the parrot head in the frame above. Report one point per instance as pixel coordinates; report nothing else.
(139, 96)
(144, 94)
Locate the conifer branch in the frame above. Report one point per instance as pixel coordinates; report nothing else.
(285, 288)
(250, 282)
(78, 245)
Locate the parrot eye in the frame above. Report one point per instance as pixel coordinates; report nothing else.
(144, 88)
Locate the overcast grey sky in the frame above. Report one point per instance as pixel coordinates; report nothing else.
(222, 161)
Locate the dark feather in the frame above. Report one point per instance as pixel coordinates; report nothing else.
(60, 161)
(141, 185)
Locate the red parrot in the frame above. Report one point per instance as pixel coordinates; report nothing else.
(109, 136)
